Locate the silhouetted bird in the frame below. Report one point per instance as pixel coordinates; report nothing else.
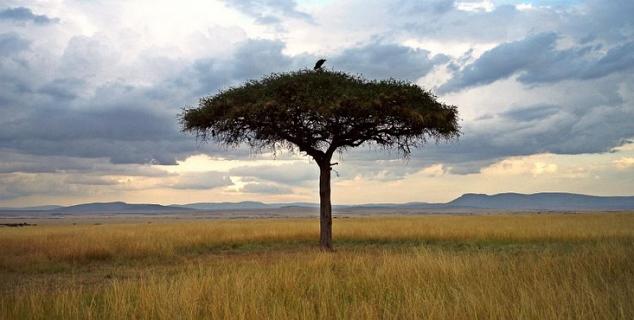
(319, 63)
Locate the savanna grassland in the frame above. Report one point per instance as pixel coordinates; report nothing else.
(548, 266)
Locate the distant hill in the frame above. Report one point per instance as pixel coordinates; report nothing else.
(470, 202)
(244, 205)
(477, 202)
(35, 208)
(213, 206)
(542, 201)
(118, 207)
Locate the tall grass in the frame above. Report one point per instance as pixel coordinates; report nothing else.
(434, 267)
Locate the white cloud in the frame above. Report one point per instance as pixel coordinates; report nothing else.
(434, 170)
(524, 6)
(533, 165)
(624, 163)
(475, 5)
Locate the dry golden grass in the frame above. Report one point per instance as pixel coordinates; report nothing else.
(435, 267)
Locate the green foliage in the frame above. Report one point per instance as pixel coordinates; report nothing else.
(321, 111)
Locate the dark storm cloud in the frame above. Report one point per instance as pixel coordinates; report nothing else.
(617, 59)
(501, 62)
(252, 59)
(435, 7)
(269, 11)
(130, 124)
(530, 113)
(15, 162)
(255, 58)
(22, 14)
(444, 22)
(536, 129)
(595, 119)
(583, 21)
(85, 180)
(123, 132)
(381, 61)
(536, 60)
(64, 89)
(27, 163)
(68, 115)
(19, 185)
(11, 43)
(122, 122)
(609, 21)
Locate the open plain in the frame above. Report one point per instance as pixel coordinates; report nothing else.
(498, 266)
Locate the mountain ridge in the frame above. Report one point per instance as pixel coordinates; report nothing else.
(546, 201)
(118, 206)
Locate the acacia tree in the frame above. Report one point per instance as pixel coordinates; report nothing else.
(320, 112)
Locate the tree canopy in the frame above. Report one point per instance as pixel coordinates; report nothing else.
(322, 111)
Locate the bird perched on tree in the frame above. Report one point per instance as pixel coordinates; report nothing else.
(319, 63)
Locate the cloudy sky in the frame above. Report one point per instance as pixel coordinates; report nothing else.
(90, 91)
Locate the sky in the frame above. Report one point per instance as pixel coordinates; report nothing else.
(90, 92)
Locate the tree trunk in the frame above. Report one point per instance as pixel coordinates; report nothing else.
(325, 208)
